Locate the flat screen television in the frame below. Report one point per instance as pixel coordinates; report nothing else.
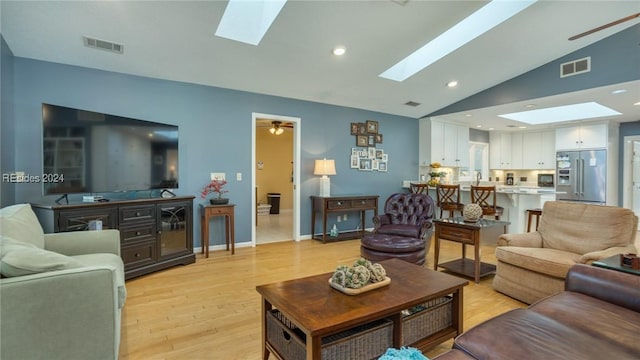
(92, 152)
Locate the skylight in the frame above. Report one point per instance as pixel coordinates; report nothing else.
(468, 29)
(248, 20)
(588, 110)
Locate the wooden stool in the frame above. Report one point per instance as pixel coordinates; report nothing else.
(533, 212)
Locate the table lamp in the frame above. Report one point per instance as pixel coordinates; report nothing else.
(325, 167)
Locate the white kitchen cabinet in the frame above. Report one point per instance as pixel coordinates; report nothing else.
(592, 136)
(538, 150)
(517, 151)
(443, 142)
(500, 150)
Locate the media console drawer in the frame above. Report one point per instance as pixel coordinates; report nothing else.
(155, 233)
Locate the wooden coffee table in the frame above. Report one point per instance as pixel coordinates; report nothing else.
(319, 310)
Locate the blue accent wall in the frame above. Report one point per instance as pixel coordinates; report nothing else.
(215, 133)
(7, 143)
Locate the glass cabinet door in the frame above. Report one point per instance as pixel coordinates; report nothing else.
(175, 234)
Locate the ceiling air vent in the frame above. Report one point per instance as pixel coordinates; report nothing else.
(575, 67)
(103, 45)
(412, 103)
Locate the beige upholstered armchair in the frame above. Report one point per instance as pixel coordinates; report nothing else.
(61, 295)
(534, 265)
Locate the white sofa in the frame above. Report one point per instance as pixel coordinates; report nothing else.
(61, 294)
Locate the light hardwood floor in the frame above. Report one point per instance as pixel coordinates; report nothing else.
(211, 310)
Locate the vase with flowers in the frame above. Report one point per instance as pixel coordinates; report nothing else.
(215, 186)
(435, 174)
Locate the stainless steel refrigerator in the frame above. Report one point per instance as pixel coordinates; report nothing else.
(582, 175)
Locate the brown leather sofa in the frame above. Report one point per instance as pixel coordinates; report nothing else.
(597, 316)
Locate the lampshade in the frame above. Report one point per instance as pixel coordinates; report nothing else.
(324, 167)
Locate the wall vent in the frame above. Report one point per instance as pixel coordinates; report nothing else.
(103, 45)
(575, 67)
(412, 103)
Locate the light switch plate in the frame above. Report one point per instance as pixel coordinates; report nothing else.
(239, 176)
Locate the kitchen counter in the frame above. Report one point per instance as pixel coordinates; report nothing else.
(515, 200)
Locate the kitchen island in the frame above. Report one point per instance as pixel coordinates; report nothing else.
(515, 201)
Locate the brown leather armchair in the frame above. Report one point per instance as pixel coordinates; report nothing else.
(403, 231)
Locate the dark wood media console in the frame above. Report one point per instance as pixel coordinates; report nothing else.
(154, 233)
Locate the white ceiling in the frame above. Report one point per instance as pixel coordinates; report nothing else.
(175, 40)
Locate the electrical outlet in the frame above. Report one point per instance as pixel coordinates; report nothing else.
(239, 176)
(218, 176)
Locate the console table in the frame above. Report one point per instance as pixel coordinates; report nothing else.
(155, 233)
(317, 311)
(209, 211)
(341, 203)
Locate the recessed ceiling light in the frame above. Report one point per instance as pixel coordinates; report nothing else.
(248, 21)
(339, 50)
(452, 84)
(619, 91)
(468, 115)
(636, 103)
(555, 114)
(490, 128)
(461, 33)
(522, 127)
(478, 126)
(529, 106)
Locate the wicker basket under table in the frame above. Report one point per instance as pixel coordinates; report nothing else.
(426, 319)
(367, 341)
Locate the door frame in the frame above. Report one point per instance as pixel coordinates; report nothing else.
(627, 172)
(296, 170)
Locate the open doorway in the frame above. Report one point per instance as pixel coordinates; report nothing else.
(275, 177)
(631, 174)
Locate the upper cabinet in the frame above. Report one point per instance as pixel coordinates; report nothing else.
(538, 149)
(582, 137)
(500, 151)
(443, 142)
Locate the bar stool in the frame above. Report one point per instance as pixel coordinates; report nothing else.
(418, 188)
(448, 198)
(531, 213)
(485, 196)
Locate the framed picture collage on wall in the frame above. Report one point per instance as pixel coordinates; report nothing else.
(366, 157)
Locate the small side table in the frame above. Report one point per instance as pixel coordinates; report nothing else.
(457, 230)
(210, 211)
(613, 263)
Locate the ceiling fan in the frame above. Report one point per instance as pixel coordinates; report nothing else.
(277, 127)
(613, 23)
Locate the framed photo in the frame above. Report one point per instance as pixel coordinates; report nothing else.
(375, 164)
(365, 164)
(362, 129)
(362, 140)
(354, 151)
(371, 141)
(355, 161)
(354, 128)
(385, 157)
(378, 138)
(372, 127)
(363, 153)
(379, 153)
(371, 153)
(382, 166)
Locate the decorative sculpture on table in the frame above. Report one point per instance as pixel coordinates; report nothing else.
(472, 212)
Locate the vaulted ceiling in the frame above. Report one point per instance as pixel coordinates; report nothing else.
(175, 40)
